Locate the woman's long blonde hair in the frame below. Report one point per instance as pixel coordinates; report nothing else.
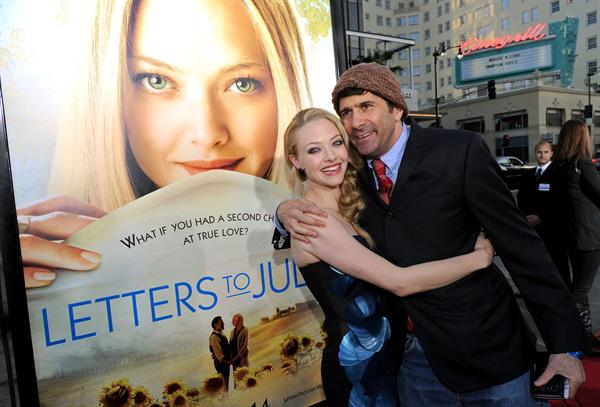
(350, 202)
(92, 159)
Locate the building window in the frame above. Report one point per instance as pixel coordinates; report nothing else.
(417, 70)
(417, 86)
(577, 114)
(427, 68)
(442, 82)
(413, 20)
(555, 117)
(511, 121)
(592, 17)
(388, 21)
(592, 42)
(592, 66)
(449, 80)
(380, 21)
(440, 29)
(404, 55)
(462, 20)
(447, 25)
(535, 14)
(439, 11)
(416, 53)
(378, 3)
(428, 85)
(486, 10)
(596, 119)
(367, 16)
(400, 21)
(387, 4)
(447, 44)
(461, 3)
(505, 24)
(448, 62)
(427, 34)
(476, 124)
(525, 16)
(554, 7)
(426, 17)
(505, 4)
(447, 8)
(414, 36)
(427, 51)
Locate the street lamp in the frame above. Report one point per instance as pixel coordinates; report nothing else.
(588, 108)
(437, 52)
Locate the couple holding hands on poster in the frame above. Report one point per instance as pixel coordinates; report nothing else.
(426, 194)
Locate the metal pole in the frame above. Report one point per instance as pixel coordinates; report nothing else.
(435, 85)
(590, 89)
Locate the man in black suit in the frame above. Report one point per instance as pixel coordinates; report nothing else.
(219, 349)
(540, 197)
(471, 342)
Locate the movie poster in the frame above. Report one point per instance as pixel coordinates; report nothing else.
(146, 153)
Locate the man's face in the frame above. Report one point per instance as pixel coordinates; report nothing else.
(373, 128)
(220, 325)
(235, 320)
(544, 154)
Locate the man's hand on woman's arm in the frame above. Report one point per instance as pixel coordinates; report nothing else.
(298, 218)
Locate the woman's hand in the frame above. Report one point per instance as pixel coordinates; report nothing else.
(54, 218)
(484, 249)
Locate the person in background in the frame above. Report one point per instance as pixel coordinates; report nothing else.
(358, 366)
(583, 194)
(238, 342)
(541, 198)
(429, 192)
(219, 349)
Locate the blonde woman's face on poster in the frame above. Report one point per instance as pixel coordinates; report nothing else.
(201, 95)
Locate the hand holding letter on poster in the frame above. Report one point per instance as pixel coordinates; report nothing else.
(51, 219)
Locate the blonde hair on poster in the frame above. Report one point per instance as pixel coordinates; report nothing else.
(92, 160)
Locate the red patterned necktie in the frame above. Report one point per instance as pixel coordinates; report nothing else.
(385, 184)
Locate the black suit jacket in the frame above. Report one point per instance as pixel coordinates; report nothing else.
(472, 330)
(547, 199)
(583, 185)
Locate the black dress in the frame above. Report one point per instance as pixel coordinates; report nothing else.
(358, 367)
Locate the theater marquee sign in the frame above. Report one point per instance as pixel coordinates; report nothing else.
(543, 47)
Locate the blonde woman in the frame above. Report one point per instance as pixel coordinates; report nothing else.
(358, 366)
(165, 90)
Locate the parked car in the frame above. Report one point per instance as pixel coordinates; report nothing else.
(596, 160)
(512, 170)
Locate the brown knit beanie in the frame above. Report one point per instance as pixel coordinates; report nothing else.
(373, 78)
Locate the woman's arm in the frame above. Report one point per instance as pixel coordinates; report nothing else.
(338, 248)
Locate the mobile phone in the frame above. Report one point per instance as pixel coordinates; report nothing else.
(556, 389)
